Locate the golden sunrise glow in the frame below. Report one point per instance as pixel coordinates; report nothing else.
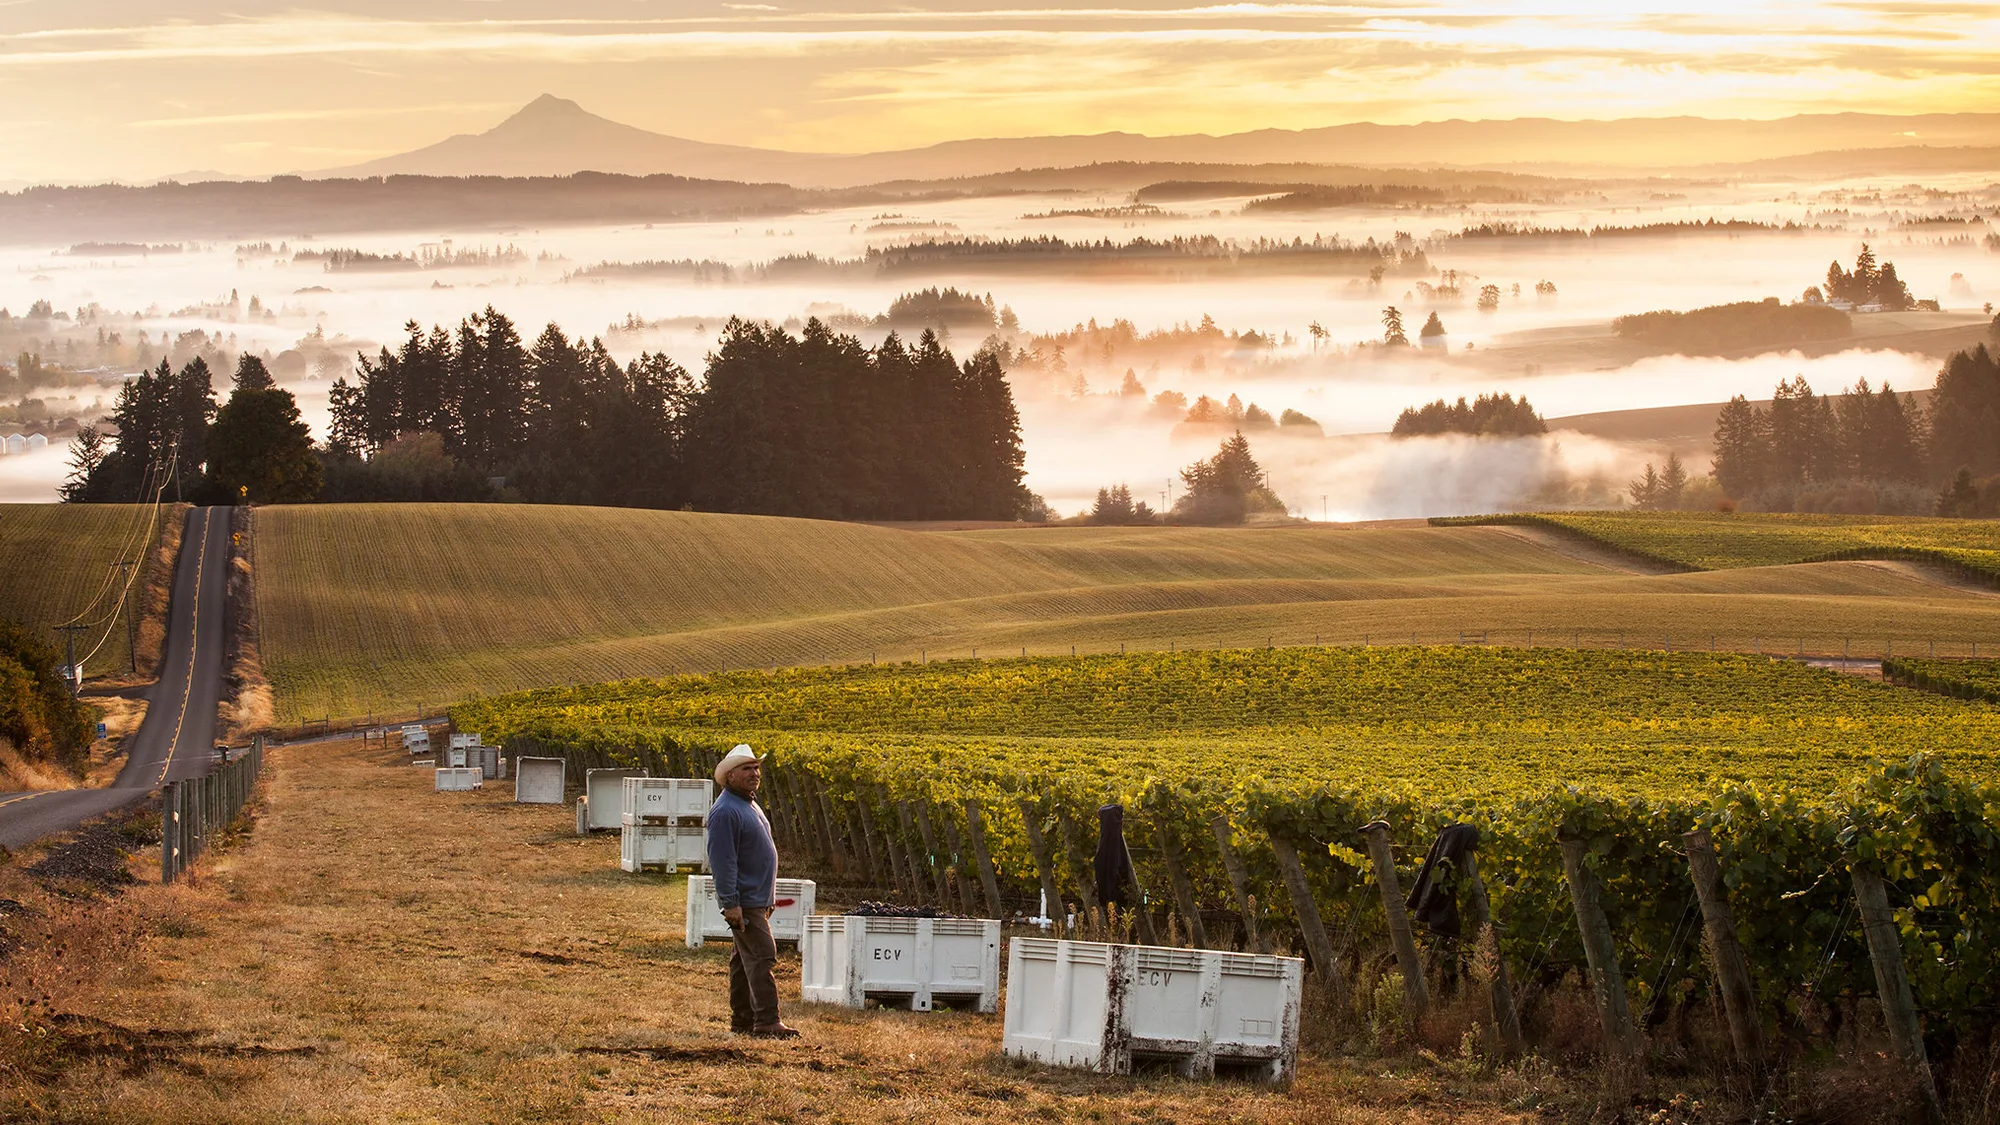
(133, 94)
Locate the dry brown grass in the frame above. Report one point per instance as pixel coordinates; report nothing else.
(19, 774)
(375, 951)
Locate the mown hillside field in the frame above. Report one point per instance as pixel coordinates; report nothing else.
(1726, 540)
(377, 608)
(57, 561)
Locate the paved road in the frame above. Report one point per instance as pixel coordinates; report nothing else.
(177, 738)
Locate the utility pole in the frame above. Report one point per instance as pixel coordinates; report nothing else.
(69, 642)
(1322, 507)
(131, 619)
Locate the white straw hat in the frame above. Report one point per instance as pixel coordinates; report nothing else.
(738, 755)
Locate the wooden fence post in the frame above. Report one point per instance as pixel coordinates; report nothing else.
(1086, 884)
(975, 831)
(1318, 945)
(1416, 991)
(1038, 845)
(1506, 1020)
(850, 815)
(1601, 954)
(1739, 1003)
(1183, 890)
(1239, 884)
(1892, 984)
(835, 855)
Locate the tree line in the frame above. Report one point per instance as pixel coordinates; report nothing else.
(812, 425)
(38, 712)
(1223, 490)
(1804, 446)
(1495, 415)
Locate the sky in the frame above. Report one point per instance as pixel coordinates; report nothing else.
(133, 89)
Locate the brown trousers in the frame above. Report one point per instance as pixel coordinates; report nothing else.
(753, 991)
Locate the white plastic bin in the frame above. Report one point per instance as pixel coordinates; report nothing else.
(464, 741)
(454, 758)
(796, 898)
(667, 845)
(846, 960)
(672, 800)
(457, 779)
(1102, 1007)
(416, 740)
(538, 781)
(603, 797)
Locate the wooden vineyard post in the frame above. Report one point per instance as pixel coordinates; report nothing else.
(1892, 984)
(1318, 945)
(1038, 846)
(1501, 990)
(1739, 1003)
(850, 816)
(1079, 869)
(1140, 913)
(884, 844)
(951, 838)
(921, 872)
(937, 858)
(1184, 899)
(1416, 992)
(1239, 884)
(1601, 954)
(975, 831)
(836, 852)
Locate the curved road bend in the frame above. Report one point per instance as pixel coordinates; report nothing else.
(177, 738)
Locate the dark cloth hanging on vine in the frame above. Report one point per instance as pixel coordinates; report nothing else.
(1433, 902)
(1113, 869)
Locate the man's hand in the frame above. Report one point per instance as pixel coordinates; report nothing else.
(734, 916)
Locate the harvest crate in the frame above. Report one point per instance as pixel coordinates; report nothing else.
(794, 905)
(1106, 1007)
(538, 781)
(603, 794)
(666, 800)
(668, 845)
(457, 779)
(847, 959)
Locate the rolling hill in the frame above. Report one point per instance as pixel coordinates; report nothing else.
(555, 136)
(378, 608)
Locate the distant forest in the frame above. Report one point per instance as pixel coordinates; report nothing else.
(288, 204)
(1745, 324)
(1498, 415)
(813, 425)
(1869, 450)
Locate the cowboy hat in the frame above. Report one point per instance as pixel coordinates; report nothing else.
(740, 754)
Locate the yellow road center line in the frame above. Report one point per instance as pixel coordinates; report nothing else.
(194, 638)
(19, 799)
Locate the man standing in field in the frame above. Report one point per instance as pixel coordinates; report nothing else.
(743, 859)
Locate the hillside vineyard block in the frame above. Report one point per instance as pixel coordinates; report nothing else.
(914, 962)
(538, 781)
(1106, 1008)
(795, 901)
(604, 798)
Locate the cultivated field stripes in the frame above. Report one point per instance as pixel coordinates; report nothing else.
(55, 557)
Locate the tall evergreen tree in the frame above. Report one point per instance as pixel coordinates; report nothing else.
(1742, 448)
(1965, 414)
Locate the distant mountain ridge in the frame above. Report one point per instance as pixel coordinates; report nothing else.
(553, 136)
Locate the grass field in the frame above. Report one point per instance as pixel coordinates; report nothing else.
(1721, 541)
(377, 608)
(56, 558)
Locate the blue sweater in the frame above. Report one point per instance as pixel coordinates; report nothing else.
(741, 854)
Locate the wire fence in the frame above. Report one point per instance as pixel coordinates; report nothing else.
(195, 811)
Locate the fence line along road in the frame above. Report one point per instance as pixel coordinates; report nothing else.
(194, 811)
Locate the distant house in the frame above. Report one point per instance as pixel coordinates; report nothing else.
(37, 441)
(13, 443)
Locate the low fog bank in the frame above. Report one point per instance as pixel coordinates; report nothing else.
(32, 478)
